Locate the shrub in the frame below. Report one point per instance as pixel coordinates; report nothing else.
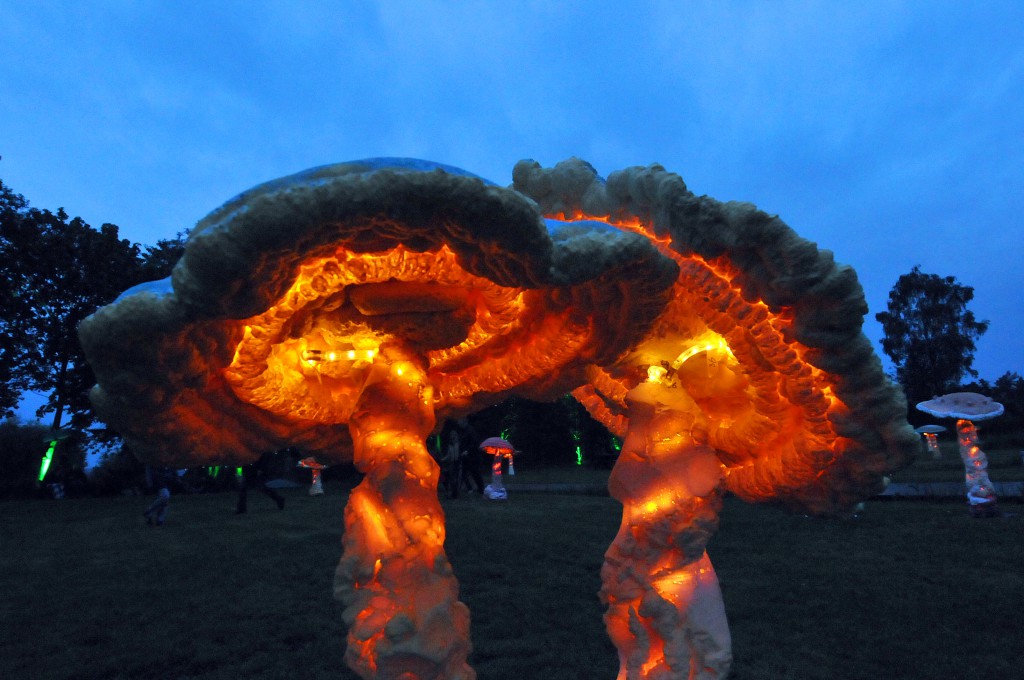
(21, 449)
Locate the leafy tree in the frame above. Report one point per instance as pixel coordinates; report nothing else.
(57, 271)
(159, 260)
(15, 310)
(930, 333)
(21, 445)
(1008, 429)
(116, 472)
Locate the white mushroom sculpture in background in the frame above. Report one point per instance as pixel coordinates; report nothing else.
(931, 438)
(967, 407)
(348, 309)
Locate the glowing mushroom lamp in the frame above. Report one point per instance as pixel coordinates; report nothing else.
(349, 309)
(967, 407)
(316, 468)
(501, 450)
(931, 438)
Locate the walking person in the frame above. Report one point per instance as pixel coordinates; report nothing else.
(156, 513)
(451, 464)
(472, 456)
(255, 475)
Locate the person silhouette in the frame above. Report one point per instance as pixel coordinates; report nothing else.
(255, 475)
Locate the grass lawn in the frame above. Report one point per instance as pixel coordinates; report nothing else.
(1004, 465)
(908, 590)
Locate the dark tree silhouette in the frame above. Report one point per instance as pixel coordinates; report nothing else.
(930, 333)
(56, 271)
(1008, 429)
(159, 260)
(15, 310)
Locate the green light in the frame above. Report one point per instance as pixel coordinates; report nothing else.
(47, 459)
(506, 433)
(577, 436)
(238, 472)
(616, 443)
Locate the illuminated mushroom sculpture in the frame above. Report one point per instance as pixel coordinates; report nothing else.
(931, 438)
(316, 468)
(346, 309)
(755, 379)
(967, 407)
(341, 311)
(500, 450)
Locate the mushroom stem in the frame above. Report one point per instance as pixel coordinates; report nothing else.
(400, 596)
(932, 441)
(665, 611)
(980, 490)
(316, 486)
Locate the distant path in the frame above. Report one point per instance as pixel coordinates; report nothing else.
(894, 490)
(943, 489)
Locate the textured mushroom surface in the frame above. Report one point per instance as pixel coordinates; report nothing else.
(348, 309)
(762, 340)
(264, 336)
(962, 405)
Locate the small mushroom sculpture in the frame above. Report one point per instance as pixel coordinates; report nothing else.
(316, 468)
(967, 407)
(501, 450)
(931, 438)
(348, 309)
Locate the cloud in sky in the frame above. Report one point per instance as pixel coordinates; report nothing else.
(888, 132)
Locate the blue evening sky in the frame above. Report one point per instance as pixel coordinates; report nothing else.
(891, 133)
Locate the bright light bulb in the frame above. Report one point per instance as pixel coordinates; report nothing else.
(656, 373)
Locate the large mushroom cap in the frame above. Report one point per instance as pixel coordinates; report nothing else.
(288, 294)
(962, 406)
(761, 342)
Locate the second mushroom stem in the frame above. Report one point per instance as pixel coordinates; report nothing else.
(665, 611)
(980, 489)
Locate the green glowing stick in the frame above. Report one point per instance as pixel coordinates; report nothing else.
(47, 459)
(577, 436)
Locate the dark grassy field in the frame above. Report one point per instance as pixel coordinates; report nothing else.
(1004, 465)
(907, 590)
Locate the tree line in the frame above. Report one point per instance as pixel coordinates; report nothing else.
(929, 334)
(55, 270)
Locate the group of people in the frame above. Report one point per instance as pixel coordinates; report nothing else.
(456, 450)
(254, 476)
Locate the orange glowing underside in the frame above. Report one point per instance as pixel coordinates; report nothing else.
(307, 356)
(759, 403)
